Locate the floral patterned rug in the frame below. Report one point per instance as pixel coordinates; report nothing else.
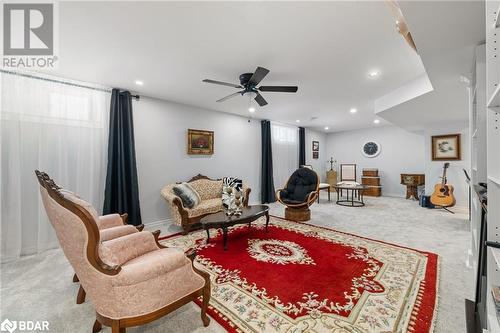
(301, 278)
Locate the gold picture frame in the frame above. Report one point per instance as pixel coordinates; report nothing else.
(200, 142)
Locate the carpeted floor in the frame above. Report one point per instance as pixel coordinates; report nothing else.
(39, 287)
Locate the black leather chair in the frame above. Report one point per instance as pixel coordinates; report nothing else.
(299, 193)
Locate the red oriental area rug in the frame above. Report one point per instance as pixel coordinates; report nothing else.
(302, 278)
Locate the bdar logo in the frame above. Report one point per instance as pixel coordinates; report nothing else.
(8, 325)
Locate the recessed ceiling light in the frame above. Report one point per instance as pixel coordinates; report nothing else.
(376, 121)
(373, 74)
(251, 109)
(139, 82)
(297, 121)
(354, 110)
(327, 128)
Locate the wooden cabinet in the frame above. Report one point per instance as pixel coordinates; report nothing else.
(331, 177)
(412, 182)
(371, 179)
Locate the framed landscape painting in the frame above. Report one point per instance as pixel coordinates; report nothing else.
(200, 142)
(446, 147)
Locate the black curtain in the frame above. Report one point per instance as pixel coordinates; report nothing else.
(122, 188)
(267, 183)
(302, 146)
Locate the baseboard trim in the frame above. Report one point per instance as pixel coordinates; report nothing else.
(154, 224)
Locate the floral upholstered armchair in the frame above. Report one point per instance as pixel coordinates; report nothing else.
(130, 280)
(210, 192)
(110, 226)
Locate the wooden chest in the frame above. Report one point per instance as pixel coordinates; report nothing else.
(375, 181)
(373, 191)
(371, 179)
(370, 172)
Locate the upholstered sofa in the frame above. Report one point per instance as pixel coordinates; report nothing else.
(210, 191)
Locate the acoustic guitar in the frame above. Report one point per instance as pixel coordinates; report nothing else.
(443, 192)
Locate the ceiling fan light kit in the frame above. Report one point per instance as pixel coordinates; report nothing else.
(249, 82)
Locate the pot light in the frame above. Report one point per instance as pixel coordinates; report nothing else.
(376, 121)
(353, 110)
(139, 82)
(251, 109)
(327, 128)
(373, 74)
(297, 121)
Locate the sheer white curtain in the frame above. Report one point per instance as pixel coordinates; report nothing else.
(53, 127)
(285, 147)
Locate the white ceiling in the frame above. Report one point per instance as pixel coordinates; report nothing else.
(446, 34)
(326, 48)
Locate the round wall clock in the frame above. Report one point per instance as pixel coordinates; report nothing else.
(371, 149)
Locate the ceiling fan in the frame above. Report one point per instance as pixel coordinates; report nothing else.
(249, 82)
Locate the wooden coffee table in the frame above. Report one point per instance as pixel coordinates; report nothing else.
(221, 220)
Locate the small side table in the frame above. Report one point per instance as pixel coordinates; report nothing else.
(412, 182)
(324, 186)
(356, 199)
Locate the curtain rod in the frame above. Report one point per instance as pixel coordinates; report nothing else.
(31, 76)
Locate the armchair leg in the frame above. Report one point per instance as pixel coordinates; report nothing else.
(204, 307)
(97, 327)
(80, 298)
(115, 327)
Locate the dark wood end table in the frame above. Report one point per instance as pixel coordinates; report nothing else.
(221, 220)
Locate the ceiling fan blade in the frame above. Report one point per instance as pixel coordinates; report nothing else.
(260, 100)
(223, 83)
(289, 89)
(258, 75)
(229, 96)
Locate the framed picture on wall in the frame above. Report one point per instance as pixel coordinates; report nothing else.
(315, 155)
(446, 147)
(200, 142)
(315, 145)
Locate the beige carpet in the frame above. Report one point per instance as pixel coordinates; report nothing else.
(39, 287)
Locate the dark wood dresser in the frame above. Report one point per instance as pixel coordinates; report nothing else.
(371, 179)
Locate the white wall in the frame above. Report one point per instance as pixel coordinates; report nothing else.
(319, 165)
(401, 152)
(161, 150)
(455, 174)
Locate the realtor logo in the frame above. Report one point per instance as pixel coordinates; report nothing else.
(8, 325)
(29, 34)
(28, 29)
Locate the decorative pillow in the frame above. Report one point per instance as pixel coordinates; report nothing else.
(190, 198)
(230, 186)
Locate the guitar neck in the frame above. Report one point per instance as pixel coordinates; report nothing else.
(444, 180)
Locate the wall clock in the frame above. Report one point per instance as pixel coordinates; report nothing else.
(371, 149)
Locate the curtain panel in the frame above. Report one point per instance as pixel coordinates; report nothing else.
(53, 127)
(285, 147)
(122, 185)
(267, 182)
(302, 146)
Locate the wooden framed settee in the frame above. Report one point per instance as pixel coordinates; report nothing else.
(210, 191)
